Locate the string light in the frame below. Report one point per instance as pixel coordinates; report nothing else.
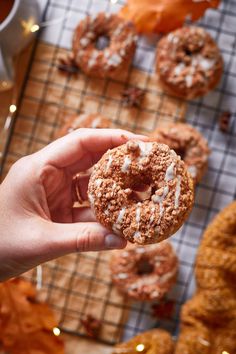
(114, 1)
(225, 352)
(12, 108)
(140, 348)
(34, 28)
(56, 331)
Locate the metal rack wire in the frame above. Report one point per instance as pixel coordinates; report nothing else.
(51, 96)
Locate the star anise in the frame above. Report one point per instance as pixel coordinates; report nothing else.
(163, 309)
(132, 97)
(91, 325)
(224, 121)
(68, 65)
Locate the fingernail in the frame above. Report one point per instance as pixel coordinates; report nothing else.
(114, 241)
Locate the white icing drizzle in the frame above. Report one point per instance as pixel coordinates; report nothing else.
(91, 199)
(122, 276)
(152, 215)
(206, 64)
(109, 162)
(138, 214)
(179, 68)
(114, 60)
(189, 80)
(157, 199)
(98, 182)
(145, 148)
(203, 342)
(120, 216)
(177, 192)
(126, 164)
(96, 122)
(163, 278)
(84, 41)
(138, 237)
(93, 59)
(140, 250)
(170, 172)
(192, 170)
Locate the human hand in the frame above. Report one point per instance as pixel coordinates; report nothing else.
(37, 221)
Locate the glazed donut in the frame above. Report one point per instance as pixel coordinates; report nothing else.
(208, 320)
(145, 273)
(189, 63)
(188, 143)
(154, 341)
(90, 120)
(141, 190)
(112, 59)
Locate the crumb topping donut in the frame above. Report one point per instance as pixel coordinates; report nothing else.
(154, 341)
(189, 63)
(188, 143)
(90, 120)
(145, 273)
(107, 62)
(141, 190)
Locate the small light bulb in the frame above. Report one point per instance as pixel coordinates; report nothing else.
(225, 352)
(12, 108)
(34, 28)
(140, 348)
(114, 1)
(56, 331)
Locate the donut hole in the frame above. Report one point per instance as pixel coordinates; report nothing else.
(187, 52)
(181, 152)
(144, 266)
(102, 42)
(141, 191)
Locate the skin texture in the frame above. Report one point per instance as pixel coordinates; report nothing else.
(37, 221)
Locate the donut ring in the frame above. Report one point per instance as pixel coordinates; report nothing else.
(142, 191)
(187, 142)
(90, 120)
(145, 273)
(189, 63)
(110, 61)
(155, 341)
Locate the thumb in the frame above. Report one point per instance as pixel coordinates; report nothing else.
(80, 237)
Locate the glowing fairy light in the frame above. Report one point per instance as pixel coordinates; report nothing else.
(225, 352)
(114, 1)
(12, 108)
(34, 28)
(140, 348)
(56, 331)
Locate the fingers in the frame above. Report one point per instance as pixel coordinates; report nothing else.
(83, 215)
(83, 147)
(79, 237)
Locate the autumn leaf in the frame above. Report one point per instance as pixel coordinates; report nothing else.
(162, 16)
(26, 327)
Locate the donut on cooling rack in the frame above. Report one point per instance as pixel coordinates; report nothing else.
(90, 120)
(145, 273)
(107, 62)
(189, 63)
(141, 190)
(188, 143)
(155, 341)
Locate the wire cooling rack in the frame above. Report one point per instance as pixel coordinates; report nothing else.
(217, 189)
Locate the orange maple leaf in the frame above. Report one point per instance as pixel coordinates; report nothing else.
(162, 16)
(26, 327)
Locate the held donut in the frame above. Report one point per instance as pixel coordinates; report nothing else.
(189, 63)
(90, 120)
(142, 191)
(111, 60)
(188, 143)
(155, 341)
(145, 273)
